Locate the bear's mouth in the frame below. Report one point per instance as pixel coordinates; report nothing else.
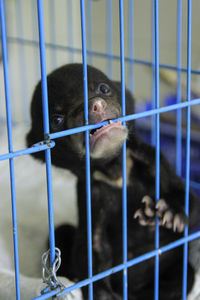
(93, 131)
(107, 138)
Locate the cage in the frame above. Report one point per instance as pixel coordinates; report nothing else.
(152, 47)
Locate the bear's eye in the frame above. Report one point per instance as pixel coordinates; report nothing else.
(57, 121)
(104, 88)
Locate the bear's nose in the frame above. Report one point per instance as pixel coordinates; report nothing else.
(98, 106)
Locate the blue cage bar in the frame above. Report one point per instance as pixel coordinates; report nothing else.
(178, 90)
(157, 138)
(46, 129)
(10, 146)
(187, 183)
(87, 149)
(47, 144)
(124, 190)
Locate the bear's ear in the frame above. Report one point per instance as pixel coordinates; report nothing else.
(130, 101)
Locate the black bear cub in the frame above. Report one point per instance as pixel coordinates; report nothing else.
(66, 110)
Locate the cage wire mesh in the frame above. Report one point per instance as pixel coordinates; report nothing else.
(154, 55)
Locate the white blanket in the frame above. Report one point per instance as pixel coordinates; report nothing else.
(31, 199)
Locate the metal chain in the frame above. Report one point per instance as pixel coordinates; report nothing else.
(49, 272)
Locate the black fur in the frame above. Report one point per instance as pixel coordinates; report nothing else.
(65, 89)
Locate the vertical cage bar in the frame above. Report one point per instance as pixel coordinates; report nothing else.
(22, 60)
(178, 91)
(35, 38)
(11, 75)
(87, 148)
(153, 119)
(10, 146)
(46, 128)
(157, 132)
(43, 67)
(89, 29)
(124, 189)
(187, 184)
(131, 45)
(109, 38)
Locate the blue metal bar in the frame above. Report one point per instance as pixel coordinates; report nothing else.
(10, 145)
(122, 65)
(131, 45)
(49, 294)
(43, 68)
(126, 118)
(124, 188)
(11, 77)
(157, 132)
(153, 118)
(87, 148)
(89, 28)
(22, 59)
(35, 37)
(187, 183)
(129, 264)
(98, 54)
(178, 91)
(36, 148)
(109, 38)
(6, 75)
(46, 129)
(157, 99)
